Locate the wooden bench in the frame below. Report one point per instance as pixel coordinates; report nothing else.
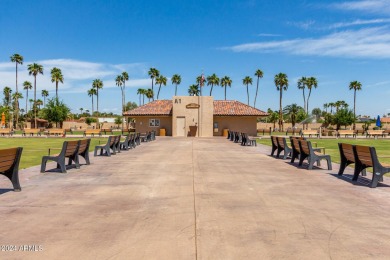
(274, 142)
(309, 133)
(365, 156)
(376, 133)
(68, 131)
(107, 147)
(295, 148)
(92, 132)
(346, 133)
(6, 131)
(31, 132)
(55, 132)
(246, 140)
(312, 156)
(9, 165)
(282, 146)
(84, 150)
(107, 131)
(69, 150)
(347, 157)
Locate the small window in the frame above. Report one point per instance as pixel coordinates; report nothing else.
(154, 122)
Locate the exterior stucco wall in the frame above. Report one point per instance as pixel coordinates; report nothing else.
(200, 118)
(142, 124)
(245, 124)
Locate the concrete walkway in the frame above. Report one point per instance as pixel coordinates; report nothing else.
(190, 198)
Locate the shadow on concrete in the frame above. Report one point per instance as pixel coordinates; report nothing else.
(361, 181)
(2, 191)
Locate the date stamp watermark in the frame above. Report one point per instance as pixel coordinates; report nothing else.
(21, 248)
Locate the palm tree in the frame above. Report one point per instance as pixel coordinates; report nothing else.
(326, 105)
(258, 74)
(44, 94)
(310, 83)
(18, 59)
(246, 81)
(356, 86)
(27, 85)
(119, 82)
(39, 103)
(153, 73)
(97, 84)
(212, 80)
(56, 76)
(7, 91)
(81, 110)
(16, 96)
(226, 82)
(161, 80)
(193, 90)
(176, 79)
(35, 69)
(125, 77)
(91, 93)
(141, 92)
(149, 94)
(31, 101)
(331, 105)
(281, 83)
(302, 85)
(292, 112)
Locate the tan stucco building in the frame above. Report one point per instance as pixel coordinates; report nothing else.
(195, 116)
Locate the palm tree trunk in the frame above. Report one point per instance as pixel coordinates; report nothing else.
(35, 99)
(57, 91)
(158, 93)
(304, 100)
(176, 90)
(211, 90)
(92, 104)
(354, 110)
(257, 89)
(16, 100)
(152, 90)
(247, 92)
(97, 100)
(123, 106)
(280, 110)
(26, 100)
(143, 99)
(307, 102)
(225, 92)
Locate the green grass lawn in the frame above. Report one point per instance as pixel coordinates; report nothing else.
(35, 148)
(382, 146)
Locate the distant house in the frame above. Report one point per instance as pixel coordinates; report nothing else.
(195, 116)
(385, 120)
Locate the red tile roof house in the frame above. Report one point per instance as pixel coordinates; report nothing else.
(195, 116)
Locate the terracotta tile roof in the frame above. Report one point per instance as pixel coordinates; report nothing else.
(154, 108)
(221, 108)
(235, 108)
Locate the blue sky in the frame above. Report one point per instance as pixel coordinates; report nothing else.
(335, 41)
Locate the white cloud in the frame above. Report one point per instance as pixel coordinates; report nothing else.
(268, 35)
(303, 25)
(358, 22)
(363, 43)
(372, 6)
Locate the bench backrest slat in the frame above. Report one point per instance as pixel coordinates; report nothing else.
(364, 154)
(280, 142)
(348, 151)
(83, 145)
(7, 158)
(71, 147)
(305, 146)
